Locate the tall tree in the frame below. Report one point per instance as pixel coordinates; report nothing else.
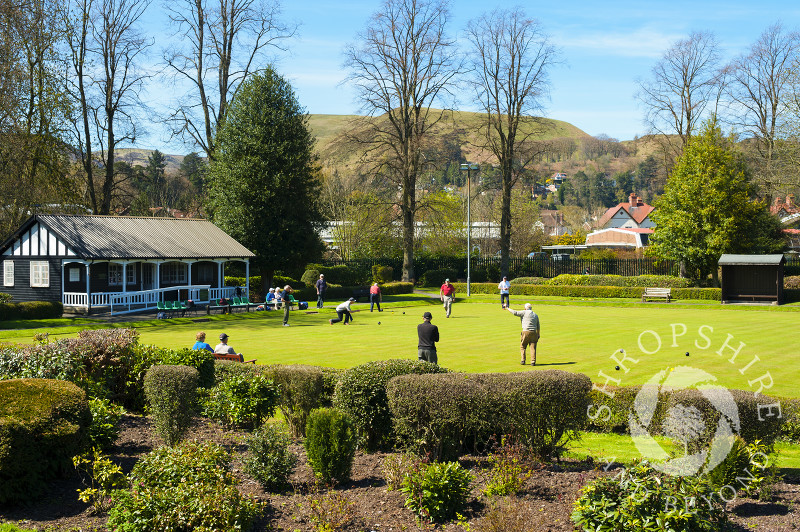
(106, 82)
(759, 90)
(683, 84)
(221, 44)
(510, 57)
(155, 176)
(709, 208)
(264, 184)
(194, 168)
(403, 64)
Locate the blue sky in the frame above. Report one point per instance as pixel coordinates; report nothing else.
(606, 46)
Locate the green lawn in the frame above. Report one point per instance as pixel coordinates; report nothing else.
(578, 336)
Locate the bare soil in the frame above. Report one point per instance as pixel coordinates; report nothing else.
(545, 503)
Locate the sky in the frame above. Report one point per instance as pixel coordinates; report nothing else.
(606, 47)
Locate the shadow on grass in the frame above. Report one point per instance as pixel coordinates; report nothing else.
(555, 364)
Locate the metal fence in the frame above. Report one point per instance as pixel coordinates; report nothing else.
(485, 268)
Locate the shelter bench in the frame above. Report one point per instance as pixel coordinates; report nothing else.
(233, 357)
(752, 297)
(657, 293)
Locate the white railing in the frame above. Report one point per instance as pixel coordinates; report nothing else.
(124, 302)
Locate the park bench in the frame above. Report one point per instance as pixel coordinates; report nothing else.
(657, 293)
(233, 357)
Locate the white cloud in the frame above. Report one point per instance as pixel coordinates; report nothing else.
(642, 42)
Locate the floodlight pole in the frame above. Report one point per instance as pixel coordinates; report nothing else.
(468, 167)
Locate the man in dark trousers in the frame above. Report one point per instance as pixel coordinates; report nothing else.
(321, 286)
(428, 336)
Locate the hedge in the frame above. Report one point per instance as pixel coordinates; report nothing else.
(302, 389)
(445, 415)
(43, 425)
(343, 275)
(171, 392)
(711, 294)
(437, 277)
(31, 310)
(361, 392)
(659, 281)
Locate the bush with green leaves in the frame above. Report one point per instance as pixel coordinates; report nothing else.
(395, 468)
(748, 469)
(310, 277)
(269, 460)
(43, 424)
(30, 310)
(343, 275)
(302, 389)
(659, 281)
(330, 444)
(104, 429)
(187, 487)
(445, 415)
(10, 527)
(102, 478)
(436, 278)
(437, 491)
(510, 468)
(707, 294)
(642, 499)
(361, 392)
(199, 359)
(382, 274)
(171, 392)
(241, 400)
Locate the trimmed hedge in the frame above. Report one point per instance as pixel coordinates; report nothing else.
(302, 389)
(445, 415)
(382, 274)
(43, 424)
(330, 444)
(659, 281)
(343, 275)
(31, 310)
(361, 392)
(711, 294)
(437, 277)
(171, 392)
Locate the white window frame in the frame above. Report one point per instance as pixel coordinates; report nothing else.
(131, 273)
(40, 274)
(8, 273)
(74, 275)
(174, 272)
(114, 274)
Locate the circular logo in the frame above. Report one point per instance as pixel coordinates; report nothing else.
(684, 423)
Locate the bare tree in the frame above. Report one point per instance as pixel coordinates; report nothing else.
(106, 82)
(511, 56)
(224, 42)
(760, 85)
(403, 64)
(682, 86)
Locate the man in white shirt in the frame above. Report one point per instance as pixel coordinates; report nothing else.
(504, 287)
(343, 310)
(222, 347)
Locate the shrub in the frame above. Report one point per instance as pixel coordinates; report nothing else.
(301, 391)
(642, 499)
(382, 274)
(104, 476)
(529, 280)
(187, 487)
(332, 512)
(790, 282)
(241, 401)
(279, 281)
(104, 428)
(437, 491)
(749, 469)
(444, 415)
(269, 460)
(330, 444)
(708, 294)
(610, 414)
(396, 467)
(343, 274)
(5, 298)
(171, 394)
(199, 359)
(30, 310)
(510, 469)
(310, 277)
(790, 428)
(361, 392)
(399, 287)
(436, 277)
(42, 426)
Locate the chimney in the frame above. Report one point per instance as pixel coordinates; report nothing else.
(632, 199)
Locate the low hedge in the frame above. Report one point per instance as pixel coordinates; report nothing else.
(302, 389)
(361, 393)
(437, 277)
(31, 310)
(43, 424)
(171, 392)
(343, 275)
(659, 281)
(445, 415)
(711, 294)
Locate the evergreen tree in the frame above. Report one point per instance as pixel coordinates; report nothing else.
(194, 168)
(709, 208)
(264, 183)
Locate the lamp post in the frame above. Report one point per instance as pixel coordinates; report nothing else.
(469, 167)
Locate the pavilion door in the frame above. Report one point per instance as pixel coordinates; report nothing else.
(148, 276)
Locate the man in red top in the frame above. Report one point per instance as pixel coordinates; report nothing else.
(375, 297)
(447, 293)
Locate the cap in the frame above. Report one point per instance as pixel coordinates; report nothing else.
(352, 299)
(504, 277)
(427, 315)
(447, 280)
(321, 275)
(223, 336)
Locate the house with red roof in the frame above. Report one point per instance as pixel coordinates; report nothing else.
(628, 225)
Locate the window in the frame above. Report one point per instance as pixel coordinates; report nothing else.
(40, 274)
(205, 273)
(173, 273)
(74, 275)
(131, 273)
(114, 274)
(8, 273)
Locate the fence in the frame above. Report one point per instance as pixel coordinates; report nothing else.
(488, 268)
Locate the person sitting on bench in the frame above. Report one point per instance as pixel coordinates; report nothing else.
(201, 344)
(222, 347)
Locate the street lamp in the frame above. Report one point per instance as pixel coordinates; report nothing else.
(469, 167)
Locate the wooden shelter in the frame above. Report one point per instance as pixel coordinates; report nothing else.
(752, 278)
